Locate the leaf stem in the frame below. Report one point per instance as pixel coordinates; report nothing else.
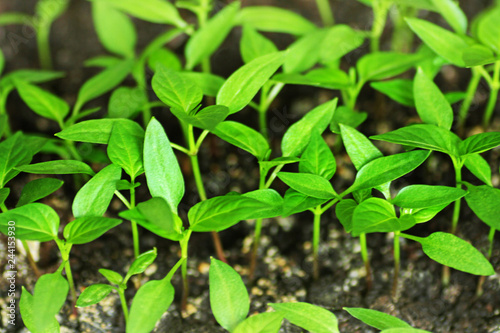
(396, 264)
(135, 231)
(180, 148)
(380, 10)
(273, 176)
(495, 87)
(491, 238)
(184, 253)
(469, 97)
(69, 274)
(123, 301)
(42, 39)
(316, 234)
(123, 199)
(325, 11)
(257, 231)
(366, 261)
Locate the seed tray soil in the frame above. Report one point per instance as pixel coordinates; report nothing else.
(284, 271)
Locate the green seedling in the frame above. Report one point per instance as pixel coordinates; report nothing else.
(230, 304)
(382, 321)
(46, 12)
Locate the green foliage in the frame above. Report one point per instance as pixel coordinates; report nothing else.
(38, 189)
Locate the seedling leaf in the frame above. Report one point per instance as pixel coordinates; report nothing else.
(58, 167)
(309, 317)
(452, 14)
(243, 137)
(125, 148)
(377, 319)
(93, 131)
(207, 118)
(484, 201)
(34, 221)
(112, 276)
(38, 189)
(488, 30)
(93, 294)
(141, 263)
(308, 184)
(88, 228)
(479, 143)
(340, 40)
(267, 322)
(254, 45)
(317, 158)
(479, 167)
(344, 211)
(304, 53)
(424, 196)
(382, 65)
(296, 202)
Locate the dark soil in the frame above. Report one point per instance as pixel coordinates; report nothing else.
(284, 272)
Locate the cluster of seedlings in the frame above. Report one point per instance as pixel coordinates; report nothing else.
(136, 147)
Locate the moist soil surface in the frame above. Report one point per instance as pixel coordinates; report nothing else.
(284, 270)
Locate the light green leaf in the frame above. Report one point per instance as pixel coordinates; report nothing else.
(92, 131)
(304, 53)
(449, 250)
(452, 14)
(34, 221)
(207, 118)
(125, 148)
(126, 102)
(4, 194)
(400, 90)
(296, 202)
(274, 19)
(254, 45)
(345, 115)
(208, 38)
(13, 152)
(308, 184)
(340, 40)
(478, 55)
(57, 167)
(93, 294)
(484, 201)
(445, 43)
(382, 65)
(164, 57)
(114, 29)
(228, 295)
(2, 62)
(404, 330)
(298, 135)
(102, 61)
(488, 30)
(328, 78)
(175, 90)
(38, 189)
(317, 158)
(424, 196)
(95, 196)
(241, 87)
(479, 167)
(163, 174)
(267, 322)
(243, 137)
(432, 106)
(112, 276)
(88, 228)
(423, 215)
(358, 147)
(141, 263)
(377, 319)
(309, 317)
(479, 143)
(210, 84)
(344, 211)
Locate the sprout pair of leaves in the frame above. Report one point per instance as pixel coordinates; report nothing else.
(230, 304)
(382, 321)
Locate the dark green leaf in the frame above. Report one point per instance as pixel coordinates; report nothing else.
(358, 147)
(309, 317)
(141, 263)
(424, 196)
(163, 174)
(243, 137)
(298, 135)
(38, 189)
(88, 228)
(346, 116)
(484, 201)
(33, 221)
(93, 294)
(317, 158)
(296, 202)
(125, 148)
(344, 211)
(228, 295)
(241, 87)
(207, 118)
(377, 319)
(254, 45)
(479, 143)
(95, 196)
(58, 167)
(479, 167)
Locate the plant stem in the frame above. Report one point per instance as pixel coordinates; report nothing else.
(491, 238)
(469, 97)
(316, 232)
(325, 11)
(123, 301)
(42, 39)
(184, 253)
(69, 275)
(396, 265)
(402, 36)
(366, 261)
(380, 10)
(495, 87)
(257, 231)
(135, 231)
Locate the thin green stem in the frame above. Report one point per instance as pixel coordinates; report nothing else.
(353, 95)
(180, 148)
(273, 176)
(257, 231)
(316, 234)
(366, 260)
(202, 137)
(469, 97)
(328, 205)
(69, 275)
(123, 199)
(184, 252)
(325, 11)
(263, 124)
(43, 41)
(492, 101)
(396, 264)
(482, 279)
(380, 10)
(135, 231)
(123, 301)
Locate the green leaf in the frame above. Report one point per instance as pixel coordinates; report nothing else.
(34, 221)
(254, 45)
(400, 90)
(377, 319)
(432, 106)
(42, 102)
(28, 75)
(141, 263)
(328, 78)
(210, 84)
(38, 310)
(308, 184)
(102, 61)
(13, 152)
(309, 317)
(47, 11)
(88, 228)
(382, 65)
(241, 87)
(38, 189)
(175, 90)
(112, 276)
(274, 19)
(95, 196)
(4, 194)
(449, 250)
(164, 57)
(155, 11)
(478, 55)
(103, 82)
(484, 201)
(207, 118)
(344, 115)
(163, 174)
(452, 14)
(156, 216)
(344, 211)
(298, 135)
(488, 30)
(479, 167)
(404, 330)
(358, 147)
(93, 294)
(317, 158)
(304, 53)
(125, 148)
(423, 215)
(126, 102)
(208, 38)
(267, 322)
(58, 167)
(441, 41)
(266, 166)
(296, 202)
(93, 131)
(228, 295)
(243, 137)
(340, 40)
(425, 136)
(479, 143)
(387, 168)
(114, 29)
(424, 196)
